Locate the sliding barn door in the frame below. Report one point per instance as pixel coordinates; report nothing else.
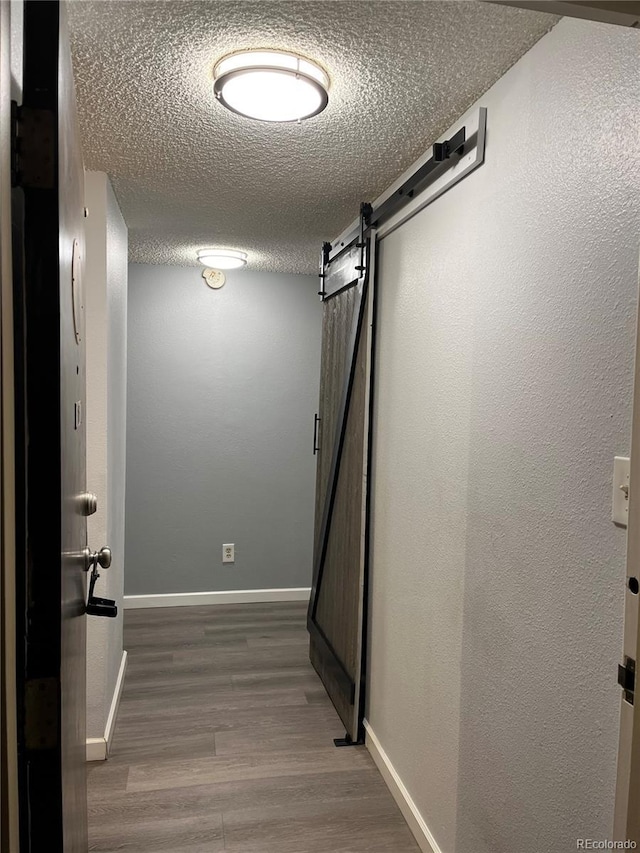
(337, 609)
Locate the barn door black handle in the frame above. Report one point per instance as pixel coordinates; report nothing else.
(316, 421)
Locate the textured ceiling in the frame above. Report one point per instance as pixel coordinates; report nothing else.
(189, 173)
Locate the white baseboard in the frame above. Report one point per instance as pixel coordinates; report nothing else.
(234, 596)
(417, 824)
(98, 747)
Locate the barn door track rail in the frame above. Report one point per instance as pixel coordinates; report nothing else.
(450, 162)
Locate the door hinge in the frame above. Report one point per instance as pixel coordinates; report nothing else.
(33, 148)
(41, 713)
(627, 679)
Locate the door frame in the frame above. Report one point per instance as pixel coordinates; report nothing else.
(627, 800)
(9, 812)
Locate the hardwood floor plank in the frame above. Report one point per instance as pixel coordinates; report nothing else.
(233, 768)
(268, 640)
(132, 746)
(274, 676)
(249, 740)
(250, 660)
(105, 779)
(317, 695)
(234, 796)
(142, 661)
(172, 725)
(215, 699)
(334, 825)
(224, 743)
(203, 831)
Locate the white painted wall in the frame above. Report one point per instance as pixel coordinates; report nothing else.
(106, 339)
(507, 313)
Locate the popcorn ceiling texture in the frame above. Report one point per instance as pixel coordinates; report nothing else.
(188, 173)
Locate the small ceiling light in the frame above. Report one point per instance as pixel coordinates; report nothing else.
(271, 85)
(222, 259)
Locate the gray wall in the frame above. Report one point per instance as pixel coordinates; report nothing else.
(106, 340)
(504, 388)
(222, 387)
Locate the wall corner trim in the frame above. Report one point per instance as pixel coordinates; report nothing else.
(98, 748)
(415, 821)
(234, 596)
(109, 729)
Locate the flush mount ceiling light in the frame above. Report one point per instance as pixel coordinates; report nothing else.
(222, 259)
(271, 85)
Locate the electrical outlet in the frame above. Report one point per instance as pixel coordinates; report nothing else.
(229, 553)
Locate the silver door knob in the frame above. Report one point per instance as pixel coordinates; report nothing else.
(100, 558)
(104, 557)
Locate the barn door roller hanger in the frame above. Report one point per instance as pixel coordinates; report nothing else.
(450, 162)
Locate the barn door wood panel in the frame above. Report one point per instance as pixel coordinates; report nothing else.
(48, 224)
(336, 609)
(337, 324)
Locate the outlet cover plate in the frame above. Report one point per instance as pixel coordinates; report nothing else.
(228, 553)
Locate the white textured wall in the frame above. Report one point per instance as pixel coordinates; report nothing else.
(106, 337)
(504, 385)
(117, 296)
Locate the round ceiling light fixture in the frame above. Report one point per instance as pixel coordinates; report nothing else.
(222, 259)
(271, 85)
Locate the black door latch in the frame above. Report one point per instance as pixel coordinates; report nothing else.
(99, 606)
(627, 679)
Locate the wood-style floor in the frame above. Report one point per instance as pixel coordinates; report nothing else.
(224, 741)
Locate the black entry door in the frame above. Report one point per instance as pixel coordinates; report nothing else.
(48, 217)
